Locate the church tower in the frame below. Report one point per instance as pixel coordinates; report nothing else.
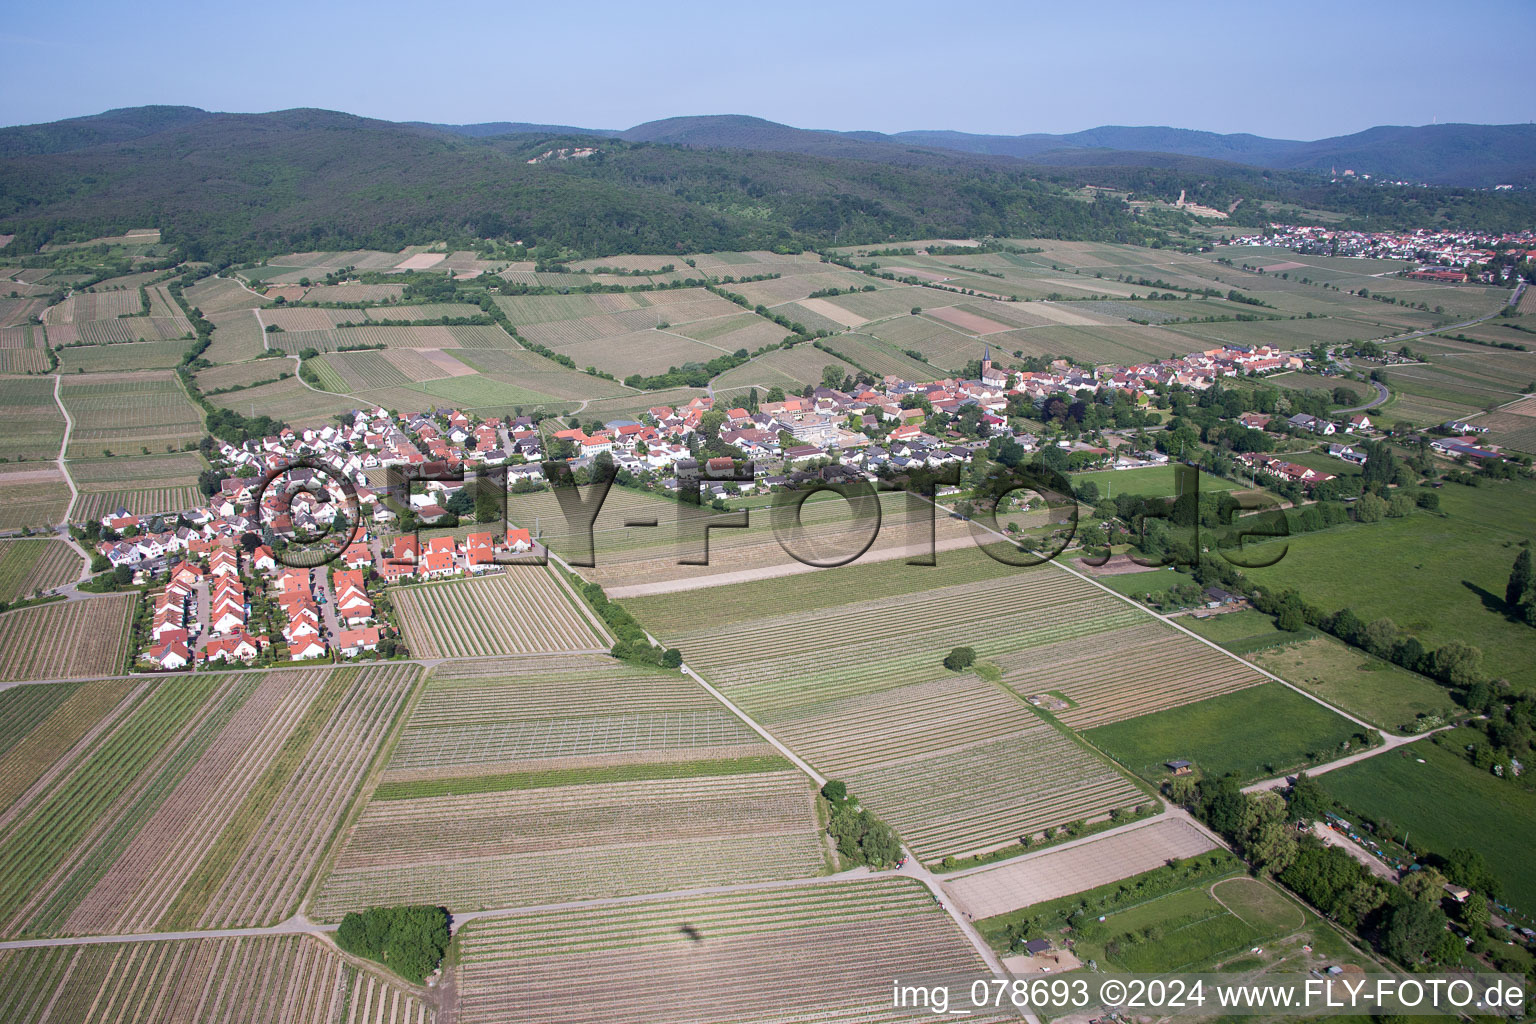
(986, 360)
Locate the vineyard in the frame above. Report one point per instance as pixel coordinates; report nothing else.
(289, 400)
(1124, 673)
(221, 295)
(141, 355)
(30, 565)
(42, 724)
(66, 639)
(330, 340)
(549, 713)
(258, 868)
(218, 980)
(958, 765)
(546, 779)
(34, 426)
(124, 412)
(139, 328)
(359, 371)
(618, 964)
(522, 610)
(80, 307)
(556, 843)
(237, 336)
(32, 497)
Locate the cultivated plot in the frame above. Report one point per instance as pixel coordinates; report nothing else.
(221, 981)
(846, 942)
(523, 610)
(124, 413)
(1087, 865)
(67, 639)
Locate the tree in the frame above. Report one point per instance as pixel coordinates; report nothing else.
(1370, 509)
(831, 376)
(488, 500)
(1522, 581)
(1413, 929)
(775, 394)
(711, 422)
(410, 940)
(960, 659)
(123, 574)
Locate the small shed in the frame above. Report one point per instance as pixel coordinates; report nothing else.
(1179, 767)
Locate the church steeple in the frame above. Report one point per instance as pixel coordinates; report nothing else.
(986, 359)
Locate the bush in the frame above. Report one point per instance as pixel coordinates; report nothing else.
(960, 659)
(409, 940)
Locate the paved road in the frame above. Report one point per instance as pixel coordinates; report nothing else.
(1382, 394)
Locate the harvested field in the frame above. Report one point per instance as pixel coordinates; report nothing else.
(259, 867)
(421, 261)
(221, 981)
(523, 610)
(1054, 873)
(120, 413)
(66, 639)
(34, 426)
(836, 313)
(237, 336)
(29, 565)
(631, 964)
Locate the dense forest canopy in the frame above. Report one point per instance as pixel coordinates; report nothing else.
(230, 187)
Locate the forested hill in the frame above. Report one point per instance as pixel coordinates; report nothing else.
(231, 187)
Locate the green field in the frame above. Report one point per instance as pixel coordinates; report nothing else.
(1445, 803)
(1192, 915)
(1238, 632)
(1440, 576)
(1256, 733)
(1153, 481)
(1376, 690)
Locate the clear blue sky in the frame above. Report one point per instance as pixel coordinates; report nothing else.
(1289, 69)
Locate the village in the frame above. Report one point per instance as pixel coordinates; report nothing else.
(1444, 257)
(230, 596)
